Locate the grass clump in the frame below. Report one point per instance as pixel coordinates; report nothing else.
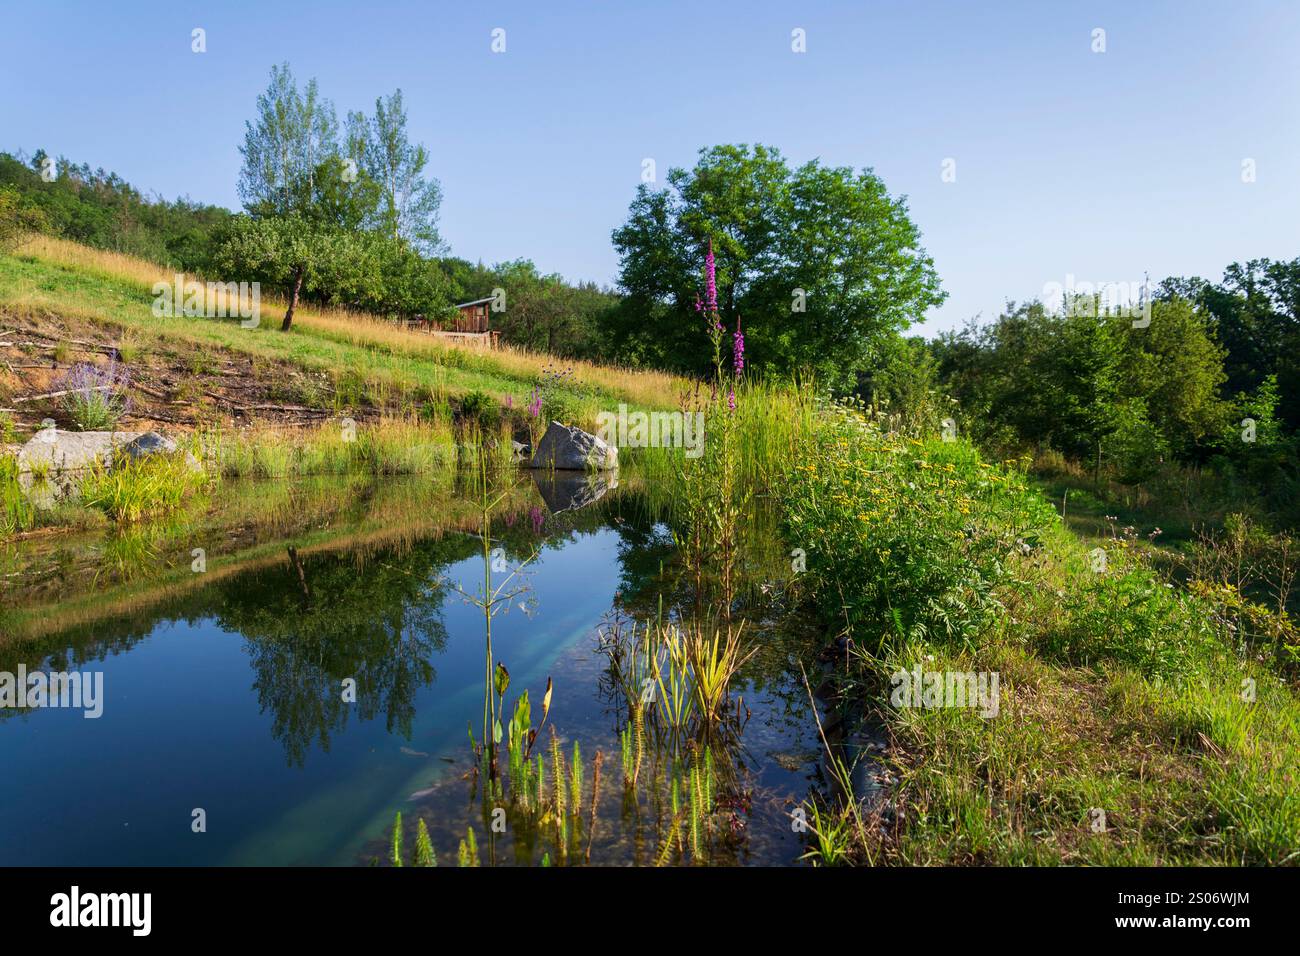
(133, 489)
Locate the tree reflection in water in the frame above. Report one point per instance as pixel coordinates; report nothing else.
(318, 620)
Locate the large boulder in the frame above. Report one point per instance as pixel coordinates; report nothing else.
(56, 450)
(150, 443)
(566, 448)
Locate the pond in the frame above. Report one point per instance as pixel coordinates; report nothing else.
(286, 670)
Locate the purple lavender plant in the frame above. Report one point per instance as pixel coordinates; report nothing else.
(96, 397)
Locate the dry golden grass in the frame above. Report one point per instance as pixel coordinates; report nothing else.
(638, 386)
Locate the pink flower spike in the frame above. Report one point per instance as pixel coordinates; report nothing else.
(711, 279)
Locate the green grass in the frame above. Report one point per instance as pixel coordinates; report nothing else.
(1131, 729)
(141, 488)
(386, 447)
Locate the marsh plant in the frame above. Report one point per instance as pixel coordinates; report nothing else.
(493, 599)
(96, 397)
(675, 680)
(133, 489)
(712, 496)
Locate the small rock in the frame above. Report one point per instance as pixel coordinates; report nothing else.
(152, 443)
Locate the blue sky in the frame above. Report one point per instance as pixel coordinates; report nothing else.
(1104, 166)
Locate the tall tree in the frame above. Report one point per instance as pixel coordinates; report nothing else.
(819, 263)
(409, 199)
(1256, 316)
(294, 133)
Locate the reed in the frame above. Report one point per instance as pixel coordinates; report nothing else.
(135, 489)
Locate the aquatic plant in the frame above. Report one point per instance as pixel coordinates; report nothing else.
(595, 799)
(691, 787)
(493, 600)
(395, 846)
(467, 852)
(16, 511)
(677, 679)
(714, 662)
(575, 779)
(424, 854)
(625, 749)
(136, 488)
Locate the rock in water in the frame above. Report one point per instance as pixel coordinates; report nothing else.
(71, 451)
(566, 448)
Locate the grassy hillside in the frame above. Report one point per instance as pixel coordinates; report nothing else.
(367, 359)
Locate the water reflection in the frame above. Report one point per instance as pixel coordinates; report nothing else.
(319, 621)
(226, 689)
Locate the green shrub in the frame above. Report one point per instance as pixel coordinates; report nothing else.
(480, 408)
(905, 539)
(1130, 616)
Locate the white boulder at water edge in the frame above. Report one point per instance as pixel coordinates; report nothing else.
(566, 448)
(60, 450)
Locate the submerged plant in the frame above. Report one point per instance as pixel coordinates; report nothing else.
(424, 855)
(395, 846)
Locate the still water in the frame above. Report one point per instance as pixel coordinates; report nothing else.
(227, 641)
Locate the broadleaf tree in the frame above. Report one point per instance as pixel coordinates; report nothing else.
(818, 263)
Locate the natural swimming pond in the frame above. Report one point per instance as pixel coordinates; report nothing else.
(300, 662)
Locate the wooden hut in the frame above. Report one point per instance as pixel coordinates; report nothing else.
(473, 316)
